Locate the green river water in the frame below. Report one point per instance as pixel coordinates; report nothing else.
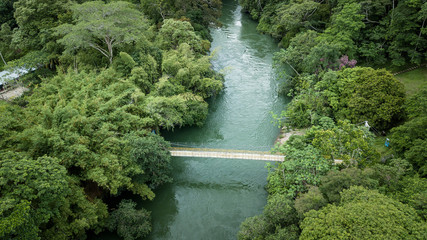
(209, 198)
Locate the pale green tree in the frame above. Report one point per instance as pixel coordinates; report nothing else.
(102, 27)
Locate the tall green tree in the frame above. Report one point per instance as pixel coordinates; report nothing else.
(130, 222)
(32, 194)
(364, 94)
(347, 142)
(102, 26)
(302, 167)
(364, 214)
(36, 20)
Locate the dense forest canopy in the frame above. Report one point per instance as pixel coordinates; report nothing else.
(376, 32)
(344, 103)
(108, 76)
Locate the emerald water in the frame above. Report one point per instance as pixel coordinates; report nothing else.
(209, 198)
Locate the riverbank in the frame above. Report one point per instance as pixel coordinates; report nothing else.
(286, 133)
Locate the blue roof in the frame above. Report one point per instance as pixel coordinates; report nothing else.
(9, 75)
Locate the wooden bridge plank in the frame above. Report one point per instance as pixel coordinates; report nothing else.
(229, 155)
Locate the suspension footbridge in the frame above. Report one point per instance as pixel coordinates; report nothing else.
(185, 150)
(179, 149)
(225, 153)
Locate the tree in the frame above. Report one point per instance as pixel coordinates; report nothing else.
(278, 219)
(32, 192)
(36, 19)
(347, 142)
(152, 154)
(6, 13)
(336, 181)
(183, 68)
(364, 94)
(306, 108)
(253, 228)
(174, 32)
(300, 46)
(311, 200)
(407, 141)
(6, 51)
(102, 27)
(129, 222)
(280, 211)
(412, 190)
(344, 29)
(363, 214)
(406, 32)
(200, 13)
(302, 167)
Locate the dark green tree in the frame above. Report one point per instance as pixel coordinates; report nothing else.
(129, 222)
(364, 94)
(364, 214)
(32, 193)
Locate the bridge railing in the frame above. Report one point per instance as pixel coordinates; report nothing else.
(191, 145)
(222, 150)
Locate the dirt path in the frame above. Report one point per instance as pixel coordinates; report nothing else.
(285, 135)
(11, 94)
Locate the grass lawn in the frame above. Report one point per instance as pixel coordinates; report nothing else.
(413, 79)
(381, 148)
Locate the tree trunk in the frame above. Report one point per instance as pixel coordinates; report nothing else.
(1, 55)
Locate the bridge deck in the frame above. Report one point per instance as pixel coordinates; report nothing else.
(221, 153)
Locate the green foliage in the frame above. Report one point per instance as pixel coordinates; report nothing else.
(277, 221)
(6, 50)
(344, 28)
(178, 110)
(412, 190)
(407, 140)
(390, 174)
(306, 109)
(6, 13)
(302, 167)
(95, 124)
(311, 200)
(84, 134)
(32, 193)
(174, 32)
(200, 13)
(290, 232)
(151, 153)
(364, 94)
(300, 46)
(280, 210)
(129, 222)
(336, 181)
(363, 214)
(371, 31)
(102, 27)
(347, 142)
(253, 228)
(124, 64)
(191, 72)
(36, 19)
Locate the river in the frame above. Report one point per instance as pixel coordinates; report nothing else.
(209, 198)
